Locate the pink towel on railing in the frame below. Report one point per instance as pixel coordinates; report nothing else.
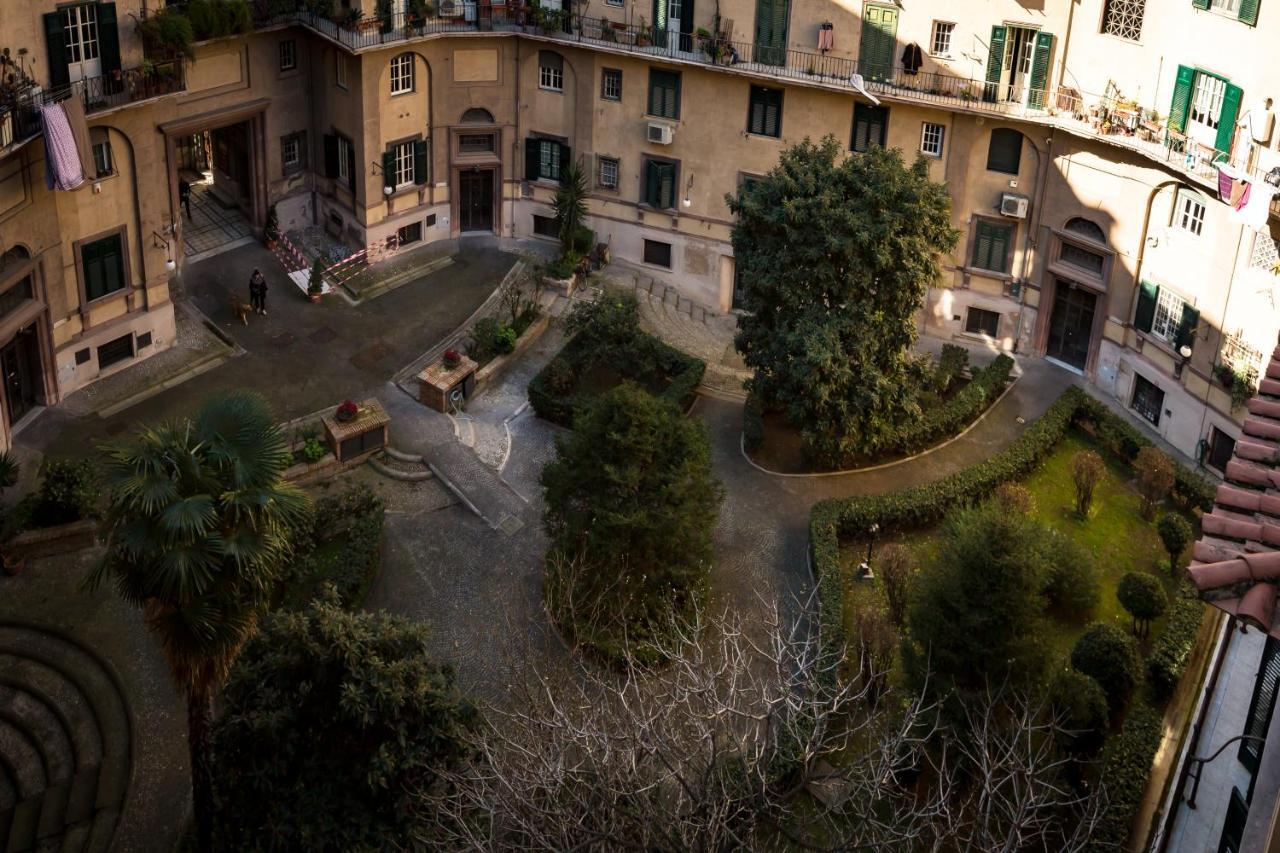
(62, 169)
(826, 38)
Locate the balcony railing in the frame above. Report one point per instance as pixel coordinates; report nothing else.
(20, 117)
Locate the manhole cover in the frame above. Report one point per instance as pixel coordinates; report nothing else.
(368, 358)
(510, 525)
(284, 340)
(322, 335)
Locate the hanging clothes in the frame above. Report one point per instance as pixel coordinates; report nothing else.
(1256, 207)
(912, 58)
(826, 37)
(74, 108)
(62, 169)
(1226, 181)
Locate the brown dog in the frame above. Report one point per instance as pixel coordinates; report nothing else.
(240, 309)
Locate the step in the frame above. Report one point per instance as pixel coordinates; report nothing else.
(8, 792)
(402, 456)
(28, 712)
(400, 470)
(101, 831)
(53, 811)
(63, 698)
(20, 755)
(82, 800)
(22, 828)
(75, 838)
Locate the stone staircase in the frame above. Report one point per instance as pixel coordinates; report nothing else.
(65, 745)
(399, 465)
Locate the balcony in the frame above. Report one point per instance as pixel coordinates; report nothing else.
(20, 116)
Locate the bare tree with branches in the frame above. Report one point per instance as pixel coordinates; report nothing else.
(750, 740)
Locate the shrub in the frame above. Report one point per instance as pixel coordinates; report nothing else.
(1175, 534)
(167, 32)
(340, 543)
(1086, 472)
(315, 284)
(1143, 598)
(752, 423)
(952, 362)
(610, 320)
(877, 641)
(313, 450)
(950, 418)
(1110, 657)
(894, 567)
(505, 340)
(1071, 582)
(1016, 498)
(68, 492)
(1080, 706)
(9, 470)
(1172, 648)
(1155, 479)
(1126, 769)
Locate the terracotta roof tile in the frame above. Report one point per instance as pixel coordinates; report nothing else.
(1236, 563)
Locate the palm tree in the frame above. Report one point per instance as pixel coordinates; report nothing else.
(197, 529)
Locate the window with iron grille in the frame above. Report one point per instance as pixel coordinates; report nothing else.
(409, 234)
(657, 253)
(1266, 253)
(402, 74)
(979, 321)
(477, 143)
(545, 226)
(1242, 358)
(1147, 400)
(764, 117)
(940, 44)
(608, 174)
(288, 55)
(931, 136)
(611, 84)
(550, 71)
(1123, 18)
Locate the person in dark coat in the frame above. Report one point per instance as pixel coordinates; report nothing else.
(184, 196)
(258, 292)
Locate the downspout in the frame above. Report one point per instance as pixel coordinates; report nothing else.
(1030, 243)
(515, 146)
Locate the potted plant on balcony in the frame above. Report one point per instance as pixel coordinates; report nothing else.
(271, 231)
(643, 36)
(315, 286)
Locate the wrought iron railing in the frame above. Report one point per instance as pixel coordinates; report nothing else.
(20, 116)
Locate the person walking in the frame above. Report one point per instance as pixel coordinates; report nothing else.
(184, 196)
(258, 292)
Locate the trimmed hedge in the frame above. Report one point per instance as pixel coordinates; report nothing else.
(951, 363)
(1171, 650)
(752, 423)
(851, 518)
(951, 417)
(342, 545)
(553, 395)
(1126, 769)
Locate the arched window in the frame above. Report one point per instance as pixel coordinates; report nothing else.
(1086, 228)
(477, 115)
(14, 255)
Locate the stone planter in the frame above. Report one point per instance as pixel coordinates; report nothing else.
(49, 541)
(563, 285)
(442, 388)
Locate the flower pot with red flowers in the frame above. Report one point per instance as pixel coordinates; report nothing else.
(452, 358)
(347, 412)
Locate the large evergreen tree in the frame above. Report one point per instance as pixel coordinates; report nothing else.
(836, 256)
(631, 504)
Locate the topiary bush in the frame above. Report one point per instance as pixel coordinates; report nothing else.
(1143, 598)
(1175, 534)
(1086, 472)
(1155, 479)
(1072, 584)
(1017, 498)
(1080, 706)
(952, 362)
(1109, 656)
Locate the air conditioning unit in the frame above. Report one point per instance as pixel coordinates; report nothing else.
(660, 134)
(451, 8)
(1013, 206)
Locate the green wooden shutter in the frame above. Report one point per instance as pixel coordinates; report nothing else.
(995, 64)
(879, 37)
(667, 186)
(330, 156)
(1040, 70)
(565, 154)
(1249, 12)
(1200, 4)
(531, 159)
(351, 167)
(389, 168)
(999, 260)
(771, 31)
(1186, 326)
(1227, 120)
(55, 40)
(651, 183)
(108, 38)
(1181, 103)
(982, 245)
(664, 94)
(420, 162)
(686, 24)
(1148, 293)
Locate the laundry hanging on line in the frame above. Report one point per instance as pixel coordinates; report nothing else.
(66, 146)
(912, 58)
(826, 37)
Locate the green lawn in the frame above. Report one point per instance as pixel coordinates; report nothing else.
(1119, 538)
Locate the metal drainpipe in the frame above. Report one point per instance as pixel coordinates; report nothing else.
(515, 146)
(1042, 168)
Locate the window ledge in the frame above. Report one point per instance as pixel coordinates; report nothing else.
(992, 274)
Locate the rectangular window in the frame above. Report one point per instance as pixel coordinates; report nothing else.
(545, 226)
(1261, 708)
(115, 351)
(1081, 257)
(402, 74)
(340, 70)
(1266, 253)
(293, 152)
(611, 84)
(764, 116)
(940, 44)
(1004, 152)
(991, 244)
(614, 2)
(80, 31)
(981, 322)
(18, 296)
(1168, 317)
(346, 157)
(1188, 213)
(664, 93)
(659, 184)
(409, 234)
(1206, 101)
(402, 160)
(477, 143)
(550, 71)
(870, 125)
(102, 262)
(657, 253)
(1231, 6)
(102, 159)
(931, 136)
(549, 159)
(1123, 18)
(288, 55)
(607, 176)
(1148, 400)
(1221, 448)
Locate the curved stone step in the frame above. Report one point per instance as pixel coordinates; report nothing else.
(101, 831)
(402, 456)
(26, 766)
(75, 838)
(29, 712)
(8, 795)
(397, 473)
(74, 712)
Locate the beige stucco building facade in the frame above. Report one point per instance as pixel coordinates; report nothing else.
(1078, 141)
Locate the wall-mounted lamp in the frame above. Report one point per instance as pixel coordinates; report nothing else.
(1184, 355)
(688, 188)
(378, 170)
(160, 240)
